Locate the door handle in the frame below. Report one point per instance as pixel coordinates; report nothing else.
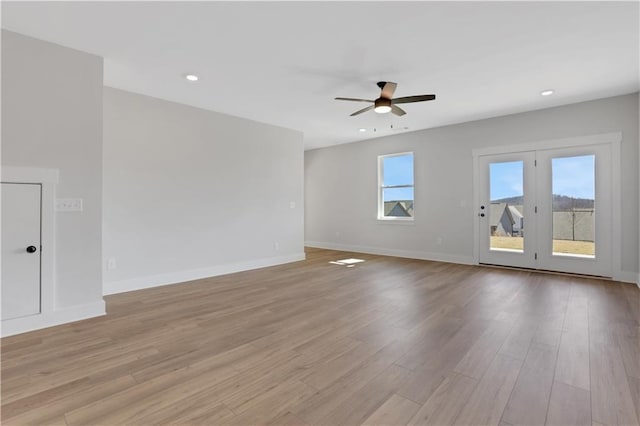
(31, 249)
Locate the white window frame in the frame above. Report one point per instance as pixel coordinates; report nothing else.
(381, 188)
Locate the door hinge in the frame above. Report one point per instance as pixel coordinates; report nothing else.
(535, 163)
(535, 209)
(535, 256)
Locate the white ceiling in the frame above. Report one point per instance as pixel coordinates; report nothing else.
(283, 62)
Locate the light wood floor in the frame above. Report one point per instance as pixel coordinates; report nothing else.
(388, 341)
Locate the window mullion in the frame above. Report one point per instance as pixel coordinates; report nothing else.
(396, 186)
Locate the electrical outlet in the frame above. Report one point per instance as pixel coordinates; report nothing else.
(276, 246)
(439, 240)
(69, 204)
(292, 204)
(111, 263)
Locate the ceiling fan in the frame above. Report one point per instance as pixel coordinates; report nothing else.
(386, 102)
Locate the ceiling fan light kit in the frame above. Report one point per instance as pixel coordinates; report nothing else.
(386, 103)
(382, 105)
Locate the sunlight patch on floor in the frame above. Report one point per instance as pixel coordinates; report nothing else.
(349, 263)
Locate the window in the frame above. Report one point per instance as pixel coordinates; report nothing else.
(395, 186)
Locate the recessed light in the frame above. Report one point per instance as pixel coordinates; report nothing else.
(547, 92)
(191, 77)
(363, 130)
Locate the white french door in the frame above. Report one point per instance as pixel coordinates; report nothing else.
(507, 204)
(548, 209)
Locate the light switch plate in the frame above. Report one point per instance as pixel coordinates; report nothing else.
(69, 204)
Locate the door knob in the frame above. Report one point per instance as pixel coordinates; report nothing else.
(31, 249)
(481, 214)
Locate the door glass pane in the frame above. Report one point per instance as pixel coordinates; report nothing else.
(506, 211)
(573, 189)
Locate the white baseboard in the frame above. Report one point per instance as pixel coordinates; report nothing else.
(626, 277)
(422, 255)
(622, 276)
(49, 319)
(140, 283)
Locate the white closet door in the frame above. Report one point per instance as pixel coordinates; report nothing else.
(21, 204)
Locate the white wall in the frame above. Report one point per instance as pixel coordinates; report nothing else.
(190, 193)
(52, 118)
(341, 191)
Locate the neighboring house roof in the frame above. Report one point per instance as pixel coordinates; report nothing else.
(518, 207)
(397, 209)
(496, 210)
(515, 214)
(408, 206)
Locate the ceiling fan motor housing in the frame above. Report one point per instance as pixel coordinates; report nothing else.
(382, 105)
(382, 102)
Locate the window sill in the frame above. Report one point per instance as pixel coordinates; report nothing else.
(396, 221)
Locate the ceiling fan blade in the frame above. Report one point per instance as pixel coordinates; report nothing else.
(397, 111)
(388, 90)
(409, 99)
(369, 108)
(354, 99)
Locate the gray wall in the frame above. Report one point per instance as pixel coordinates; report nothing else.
(341, 192)
(52, 118)
(190, 193)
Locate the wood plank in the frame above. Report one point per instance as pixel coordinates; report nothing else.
(446, 403)
(577, 315)
(288, 419)
(190, 412)
(519, 340)
(479, 357)
(145, 398)
(529, 400)
(488, 399)
(569, 406)
(629, 342)
(319, 406)
(40, 382)
(327, 373)
(611, 400)
(273, 403)
(550, 331)
(634, 386)
(55, 408)
(357, 407)
(395, 411)
(573, 360)
(437, 366)
(428, 338)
